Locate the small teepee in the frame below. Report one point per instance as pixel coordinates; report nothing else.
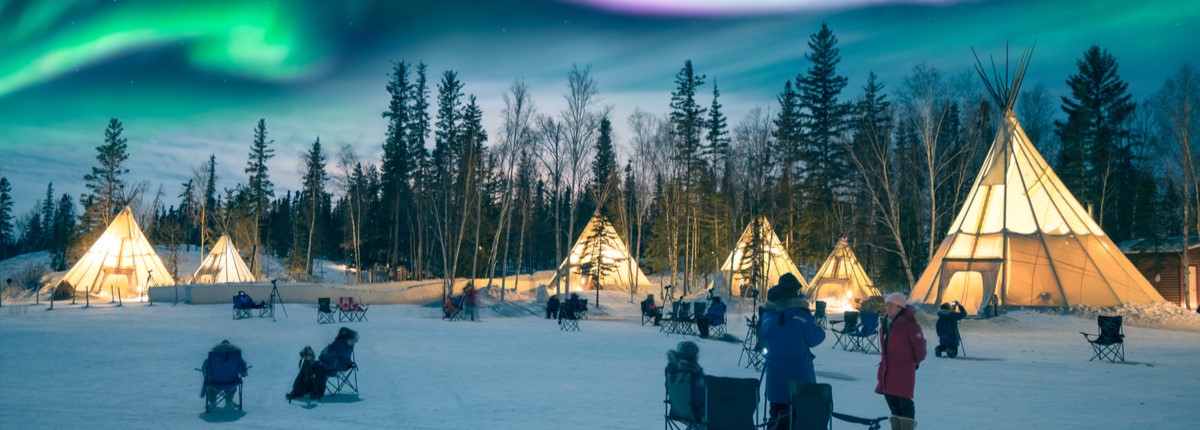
(1021, 238)
(756, 263)
(600, 253)
(223, 265)
(841, 281)
(121, 262)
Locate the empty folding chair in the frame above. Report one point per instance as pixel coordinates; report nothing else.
(324, 311)
(752, 348)
(811, 408)
(1110, 343)
(731, 404)
(868, 331)
(849, 324)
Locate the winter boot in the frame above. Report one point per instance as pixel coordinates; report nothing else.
(895, 422)
(937, 351)
(908, 424)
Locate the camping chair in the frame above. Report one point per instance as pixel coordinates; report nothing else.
(819, 316)
(811, 408)
(350, 311)
(451, 309)
(324, 311)
(1110, 343)
(669, 320)
(849, 325)
(582, 312)
(648, 314)
(343, 380)
(243, 306)
(682, 323)
(868, 330)
(681, 412)
(222, 379)
(752, 349)
(568, 318)
(732, 403)
(717, 328)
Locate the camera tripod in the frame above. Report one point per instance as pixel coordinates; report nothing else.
(276, 298)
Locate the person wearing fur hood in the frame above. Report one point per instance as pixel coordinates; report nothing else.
(207, 368)
(902, 348)
(683, 366)
(790, 331)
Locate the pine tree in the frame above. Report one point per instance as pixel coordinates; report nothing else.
(1097, 110)
(64, 228)
(259, 189)
(106, 181)
(315, 179)
(718, 140)
(826, 163)
(6, 218)
(604, 169)
(687, 121)
(47, 217)
(395, 168)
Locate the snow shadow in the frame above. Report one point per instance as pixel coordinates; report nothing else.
(222, 415)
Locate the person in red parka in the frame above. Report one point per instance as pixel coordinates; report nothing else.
(903, 349)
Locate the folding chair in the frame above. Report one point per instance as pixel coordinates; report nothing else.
(819, 316)
(811, 408)
(671, 318)
(648, 314)
(1110, 343)
(732, 403)
(450, 310)
(243, 306)
(350, 311)
(849, 325)
(343, 380)
(680, 411)
(682, 323)
(222, 379)
(868, 330)
(568, 319)
(582, 312)
(324, 311)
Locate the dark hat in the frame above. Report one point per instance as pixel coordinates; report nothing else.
(347, 334)
(687, 350)
(790, 282)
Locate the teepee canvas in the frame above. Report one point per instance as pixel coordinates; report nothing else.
(767, 261)
(1021, 238)
(841, 281)
(121, 262)
(600, 253)
(223, 265)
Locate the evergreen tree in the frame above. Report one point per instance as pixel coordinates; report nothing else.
(718, 139)
(47, 217)
(210, 206)
(687, 121)
(6, 218)
(106, 181)
(259, 190)
(826, 163)
(189, 212)
(311, 198)
(1097, 111)
(604, 169)
(395, 169)
(64, 228)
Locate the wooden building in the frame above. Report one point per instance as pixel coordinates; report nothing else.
(1160, 261)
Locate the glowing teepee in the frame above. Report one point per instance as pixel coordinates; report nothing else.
(738, 273)
(120, 260)
(223, 265)
(616, 269)
(841, 281)
(1023, 238)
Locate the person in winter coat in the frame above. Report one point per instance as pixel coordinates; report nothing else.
(651, 309)
(211, 394)
(552, 305)
(303, 384)
(714, 315)
(790, 331)
(949, 314)
(470, 301)
(337, 357)
(683, 362)
(902, 350)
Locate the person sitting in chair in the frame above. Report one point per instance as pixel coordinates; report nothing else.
(572, 307)
(949, 314)
(336, 357)
(209, 393)
(243, 300)
(652, 310)
(714, 315)
(552, 305)
(683, 362)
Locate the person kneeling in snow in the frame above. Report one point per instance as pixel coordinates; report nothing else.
(949, 314)
(303, 384)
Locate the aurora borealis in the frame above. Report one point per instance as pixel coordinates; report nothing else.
(191, 77)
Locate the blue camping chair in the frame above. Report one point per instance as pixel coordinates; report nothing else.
(868, 331)
(223, 372)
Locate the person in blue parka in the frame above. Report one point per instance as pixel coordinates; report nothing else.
(949, 314)
(789, 330)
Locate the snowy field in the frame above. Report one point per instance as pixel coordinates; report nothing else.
(132, 366)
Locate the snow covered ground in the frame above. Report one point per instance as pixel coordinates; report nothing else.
(132, 366)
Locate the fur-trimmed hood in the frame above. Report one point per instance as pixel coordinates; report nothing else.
(225, 346)
(781, 305)
(681, 364)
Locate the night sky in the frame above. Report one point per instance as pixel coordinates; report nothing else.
(192, 78)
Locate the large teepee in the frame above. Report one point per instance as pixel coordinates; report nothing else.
(767, 262)
(614, 268)
(120, 258)
(223, 265)
(1022, 238)
(841, 281)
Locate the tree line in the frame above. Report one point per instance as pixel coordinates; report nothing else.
(886, 168)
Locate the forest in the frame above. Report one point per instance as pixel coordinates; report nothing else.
(885, 168)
